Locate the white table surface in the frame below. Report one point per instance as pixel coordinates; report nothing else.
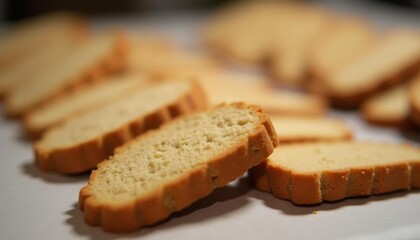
(38, 205)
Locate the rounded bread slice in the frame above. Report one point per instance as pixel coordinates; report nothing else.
(78, 102)
(79, 144)
(310, 173)
(88, 61)
(166, 170)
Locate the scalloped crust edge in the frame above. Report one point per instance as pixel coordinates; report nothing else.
(115, 61)
(85, 156)
(314, 188)
(183, 191)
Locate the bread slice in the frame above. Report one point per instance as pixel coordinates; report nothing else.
(166, 170)
(292, 129)
(78, 102)
(229, 87)
(33, 34)
(414, 99)
(81, 143)
(337, 44)
(87, 62)
(39, 60)
(395, 58)
(390, 107)
(314, 172)
(288, 56)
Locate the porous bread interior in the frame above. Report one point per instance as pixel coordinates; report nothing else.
(162, 156)
(393, 53)
(319, 157)
(108, 118)
(311, 128)
(82, 58)
(390, 104)
(84, 99)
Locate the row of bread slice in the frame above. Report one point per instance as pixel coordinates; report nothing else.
(342, 58)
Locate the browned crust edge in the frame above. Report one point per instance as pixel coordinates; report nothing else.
(114, 61)
(388, 122)
(85, 156)
(185, 190)
(414, 88)
(313, 188)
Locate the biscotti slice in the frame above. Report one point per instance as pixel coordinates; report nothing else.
(395, 58)
(168, 169)
(414, 98)
(88, 62)
(19, 42)
(39, 60)
(229, 87)
(337, 44)
(292, 129)
(310, 173)
(389, 108)
(78, 102)
(79, 144)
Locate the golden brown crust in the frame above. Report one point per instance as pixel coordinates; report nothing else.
(114, 61)
(414, 90)
(313, 188)
(183, 191)
(87, 155)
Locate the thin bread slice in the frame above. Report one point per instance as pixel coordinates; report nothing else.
(292, 129)
(88, 61)
(395, 58)
(88, 98)
(336, 45)
(310, 173)
(228, 87)
(81, 143)
(390, 107)
(39, 60)
(19, 42)
(166, 170)
(414, 99)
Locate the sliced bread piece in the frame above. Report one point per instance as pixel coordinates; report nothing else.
(395, 58)
(310, 173)
(81, 143)
(78, 102)
(337, 44)
(228, 87)
(39, 60)
(24, 38)
(87, 62)
(166, 170)
(414, 98)
(292, 129)
(390, 107)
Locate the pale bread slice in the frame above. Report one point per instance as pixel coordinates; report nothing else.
(293, 129)
(310, 173)
(395, 58)
(87, 62)
(166, 62)
(337, 44)
(390, 107)
(230, 87)
(168, 169)
(86, 99)
(81, 143)
(414, 99)
(39, 60)
(289, 51)
(33, 34)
